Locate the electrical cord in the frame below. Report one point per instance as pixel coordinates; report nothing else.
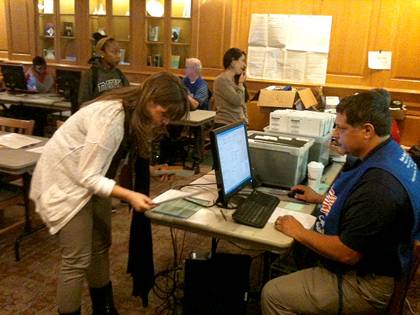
(168, 288)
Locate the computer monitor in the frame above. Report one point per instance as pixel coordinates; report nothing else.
(14, 77)
(231, 160)
(68, 85)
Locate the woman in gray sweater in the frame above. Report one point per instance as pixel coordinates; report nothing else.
(229, 92)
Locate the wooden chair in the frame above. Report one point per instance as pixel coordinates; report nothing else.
(17, 125)
(396, 303)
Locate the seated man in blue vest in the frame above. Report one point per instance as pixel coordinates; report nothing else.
(369, 219)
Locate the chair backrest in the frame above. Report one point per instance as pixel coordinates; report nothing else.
(396, 303)
(17, 125)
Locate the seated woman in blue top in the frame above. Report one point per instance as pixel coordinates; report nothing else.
(197, 87)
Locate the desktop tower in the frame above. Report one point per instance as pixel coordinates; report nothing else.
(216, 286)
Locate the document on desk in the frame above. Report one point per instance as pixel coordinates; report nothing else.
(178, 208)
(17, 141)
(307, 220)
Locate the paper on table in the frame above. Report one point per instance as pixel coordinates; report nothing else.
(294, 206)
(36, 150)
(173, 194)
(16, 140)
(305, 219)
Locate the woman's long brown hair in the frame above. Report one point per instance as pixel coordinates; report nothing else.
(164, 89)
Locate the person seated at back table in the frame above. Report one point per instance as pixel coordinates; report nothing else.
(38, 78)
(369, 219)
(196, 85)
(104, 74)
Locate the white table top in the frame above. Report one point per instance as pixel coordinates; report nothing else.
(209, 221)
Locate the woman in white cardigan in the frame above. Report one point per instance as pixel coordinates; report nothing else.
(72, 192)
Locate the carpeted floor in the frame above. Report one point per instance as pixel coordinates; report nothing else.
(28, 286)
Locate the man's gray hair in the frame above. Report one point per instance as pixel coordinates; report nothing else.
(195, 63)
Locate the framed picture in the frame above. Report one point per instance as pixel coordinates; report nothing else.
(68, 29)
(49, 30)
(176, 33)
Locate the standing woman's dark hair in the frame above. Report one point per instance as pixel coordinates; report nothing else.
(232, 54)
(162, 88)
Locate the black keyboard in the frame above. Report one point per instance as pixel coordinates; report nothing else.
(256, 209)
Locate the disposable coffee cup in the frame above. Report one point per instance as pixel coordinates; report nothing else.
(315, 170)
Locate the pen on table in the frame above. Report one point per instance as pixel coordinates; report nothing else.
(223, 215)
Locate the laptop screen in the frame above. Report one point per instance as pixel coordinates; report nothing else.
(232, 163)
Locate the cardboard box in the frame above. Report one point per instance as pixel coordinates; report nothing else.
(286, 99)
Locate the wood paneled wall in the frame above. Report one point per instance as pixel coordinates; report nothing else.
(20, 21)
(358, 26)
(3, 32)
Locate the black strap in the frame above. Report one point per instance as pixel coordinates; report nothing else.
(94, 70)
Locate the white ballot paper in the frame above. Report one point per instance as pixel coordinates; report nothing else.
(307, 220)
(173, 194)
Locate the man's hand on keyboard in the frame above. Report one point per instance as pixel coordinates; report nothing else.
(288, 225)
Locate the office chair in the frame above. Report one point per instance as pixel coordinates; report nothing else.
(396, 303)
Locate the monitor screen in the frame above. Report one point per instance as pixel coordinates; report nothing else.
(14, 77)
(67, 80)
(68, 85)
(231, 159)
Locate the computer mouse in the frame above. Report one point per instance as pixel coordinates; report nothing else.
(293, 193)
